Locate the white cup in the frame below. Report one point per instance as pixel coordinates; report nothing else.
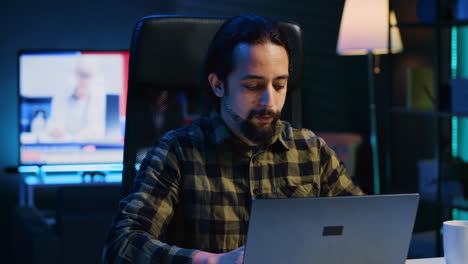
(456, 242)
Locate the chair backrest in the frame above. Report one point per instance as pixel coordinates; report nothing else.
(166, 62)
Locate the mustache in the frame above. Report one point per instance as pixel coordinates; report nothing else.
(264, 111)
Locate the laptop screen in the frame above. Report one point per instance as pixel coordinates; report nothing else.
(331, 230)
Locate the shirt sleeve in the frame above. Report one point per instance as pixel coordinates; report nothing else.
(334, 178)
(146, 212)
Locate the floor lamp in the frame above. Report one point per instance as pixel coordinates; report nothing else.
(364, 30)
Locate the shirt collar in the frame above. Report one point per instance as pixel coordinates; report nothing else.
(221, 132)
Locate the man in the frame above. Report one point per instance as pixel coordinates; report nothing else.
(191, 199)
(79, 110)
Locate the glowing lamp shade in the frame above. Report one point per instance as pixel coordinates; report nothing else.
(395, 36)
(364, 28)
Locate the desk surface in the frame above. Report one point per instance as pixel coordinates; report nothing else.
(426, 261)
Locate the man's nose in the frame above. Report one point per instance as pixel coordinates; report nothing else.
(267, 96)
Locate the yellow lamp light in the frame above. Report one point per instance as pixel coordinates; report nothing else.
(364, 30)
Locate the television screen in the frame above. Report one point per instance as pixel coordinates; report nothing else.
(72, 107)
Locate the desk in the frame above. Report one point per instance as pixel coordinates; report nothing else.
(426, 261)
(56, 233)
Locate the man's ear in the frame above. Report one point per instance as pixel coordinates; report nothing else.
(216, 85)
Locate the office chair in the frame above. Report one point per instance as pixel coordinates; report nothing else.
(166, 62)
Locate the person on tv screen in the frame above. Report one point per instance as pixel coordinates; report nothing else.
(78, 111)
(191, 199)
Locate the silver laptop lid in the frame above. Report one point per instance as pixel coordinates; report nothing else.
(334, 230)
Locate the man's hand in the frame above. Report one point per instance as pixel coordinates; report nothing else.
(232, 257)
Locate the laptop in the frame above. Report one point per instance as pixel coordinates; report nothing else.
(331, 230)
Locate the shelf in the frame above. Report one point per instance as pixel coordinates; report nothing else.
(419, 134)
(439, 24)
(460, 203)
(402, 110)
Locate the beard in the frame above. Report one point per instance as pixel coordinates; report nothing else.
(258, 134)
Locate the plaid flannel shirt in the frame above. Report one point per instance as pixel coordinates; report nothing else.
(195, 186)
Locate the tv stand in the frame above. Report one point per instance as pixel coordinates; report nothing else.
(31, 181)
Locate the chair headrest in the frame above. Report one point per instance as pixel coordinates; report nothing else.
(169, 51)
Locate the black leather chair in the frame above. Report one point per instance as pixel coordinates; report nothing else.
(164, 92)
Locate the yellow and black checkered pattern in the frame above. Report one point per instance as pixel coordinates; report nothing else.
(195, 187)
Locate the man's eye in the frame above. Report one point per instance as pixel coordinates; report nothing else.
(252, 87)
(279, 86)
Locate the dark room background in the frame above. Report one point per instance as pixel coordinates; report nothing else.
(334, 96)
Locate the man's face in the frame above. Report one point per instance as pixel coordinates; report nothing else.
(255, 91)
(82, 86)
